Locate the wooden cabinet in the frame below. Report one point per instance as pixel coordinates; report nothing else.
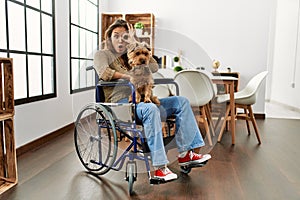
(147, 19)
(8, 163)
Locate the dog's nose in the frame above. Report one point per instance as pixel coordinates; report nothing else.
(143, 61)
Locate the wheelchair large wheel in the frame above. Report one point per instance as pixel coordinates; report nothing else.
(95, 138)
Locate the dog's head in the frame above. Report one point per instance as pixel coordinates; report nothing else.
(138, 54)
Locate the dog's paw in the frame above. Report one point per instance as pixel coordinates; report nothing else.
(147, 100)
(155, 100)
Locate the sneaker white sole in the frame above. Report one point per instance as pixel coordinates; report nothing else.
(168, 177)
(204, 158)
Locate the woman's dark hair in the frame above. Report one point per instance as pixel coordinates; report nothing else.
(107, 36)
(108, 32)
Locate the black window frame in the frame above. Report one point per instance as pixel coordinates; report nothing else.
(81, 89)
(8, 51)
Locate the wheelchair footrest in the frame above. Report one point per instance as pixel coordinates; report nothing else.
(156, 181)
(187, 168)
(193, 165)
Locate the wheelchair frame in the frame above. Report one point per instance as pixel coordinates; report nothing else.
(96, 126)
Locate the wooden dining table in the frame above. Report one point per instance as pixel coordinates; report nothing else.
(229, 82)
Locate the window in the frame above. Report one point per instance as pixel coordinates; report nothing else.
(84, 34)
(27, 36)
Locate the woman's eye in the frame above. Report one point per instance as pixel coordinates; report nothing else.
(125, 37)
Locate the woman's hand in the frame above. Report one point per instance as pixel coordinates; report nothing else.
(130, 36)
(126, 76)
(119, 75)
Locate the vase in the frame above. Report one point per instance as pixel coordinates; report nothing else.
(139, 32)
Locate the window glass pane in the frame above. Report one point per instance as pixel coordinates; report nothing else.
(47, 34)
(48, 78)
(34, 3)
(75, 71)
(90, 75)
(22, 1)
(95, 44)
(91, 18)
(2, 26)
(82, 78)
(16, 26)
(34, 75)
(33, 31)
(82, 13)
(20, 84)
(3, 55)
(47, 6)
(74, 41)
(82, 53)
(89, 44)
(74, 12)
(94, 1)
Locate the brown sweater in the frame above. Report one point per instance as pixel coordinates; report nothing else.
(106, 64)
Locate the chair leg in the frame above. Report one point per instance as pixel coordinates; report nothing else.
(247, 120)
(206, 126)
(224, 123)
(164, 129)
(254, 123)
(209, 119)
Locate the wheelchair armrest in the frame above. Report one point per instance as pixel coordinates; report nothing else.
(119, 82)
(158, 81)
(114, 82)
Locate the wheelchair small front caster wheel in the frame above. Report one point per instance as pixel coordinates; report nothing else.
(185, 169)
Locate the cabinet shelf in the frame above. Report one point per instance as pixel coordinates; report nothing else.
(8, 163)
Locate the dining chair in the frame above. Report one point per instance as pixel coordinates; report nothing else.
(197, 87)
(244, 99)
(168, 73)
(161, 91)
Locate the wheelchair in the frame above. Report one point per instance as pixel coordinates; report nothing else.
(96, 139)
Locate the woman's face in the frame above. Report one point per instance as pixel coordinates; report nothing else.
(118, 38)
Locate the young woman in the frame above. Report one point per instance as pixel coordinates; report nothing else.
(112, 63)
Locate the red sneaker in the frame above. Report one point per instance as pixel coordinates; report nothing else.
(165, 173)
(193, 158)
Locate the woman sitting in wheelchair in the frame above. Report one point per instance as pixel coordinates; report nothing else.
(112, 63)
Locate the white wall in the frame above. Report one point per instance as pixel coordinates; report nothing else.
(236, 32)
(233, 31)
(37, 119)
(286, 67)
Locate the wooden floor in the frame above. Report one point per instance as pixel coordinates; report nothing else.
(245, 170)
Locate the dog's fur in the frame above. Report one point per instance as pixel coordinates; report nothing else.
(141, 76)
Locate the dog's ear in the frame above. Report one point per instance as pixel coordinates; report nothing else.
(130, 47)
(146, 45)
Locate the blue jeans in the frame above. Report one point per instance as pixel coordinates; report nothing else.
(187, 133)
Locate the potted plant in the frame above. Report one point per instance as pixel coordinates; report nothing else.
(176, 59)
(178, 68)
(139, 26)
(177, 64)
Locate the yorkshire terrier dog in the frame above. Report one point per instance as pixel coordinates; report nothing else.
(141, 76)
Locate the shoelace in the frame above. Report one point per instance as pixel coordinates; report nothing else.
(165, 170)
